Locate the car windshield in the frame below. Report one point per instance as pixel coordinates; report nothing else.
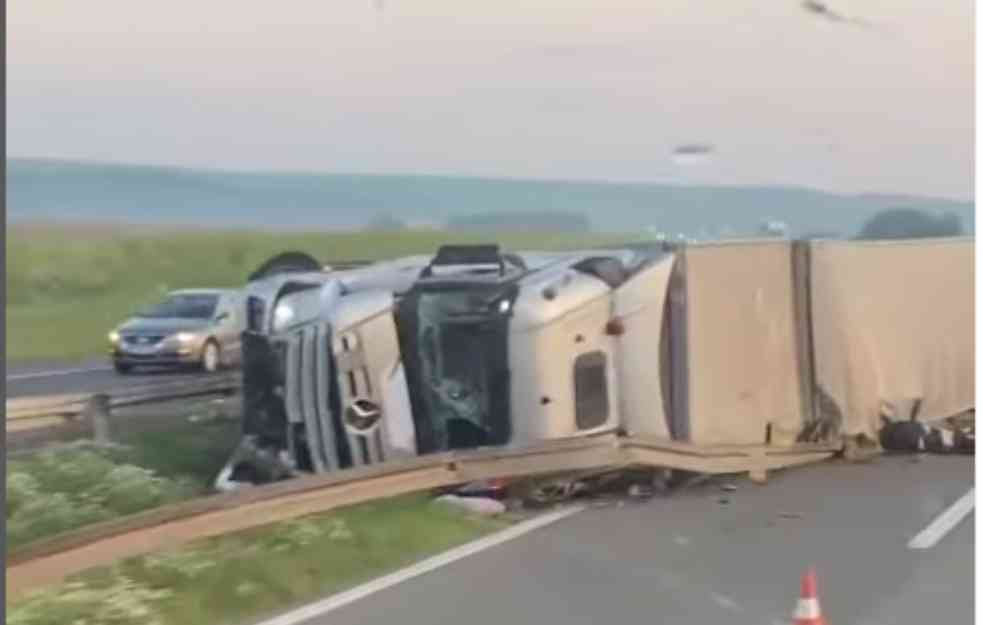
(183, 306)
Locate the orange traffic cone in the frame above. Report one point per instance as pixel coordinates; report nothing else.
(807, 611)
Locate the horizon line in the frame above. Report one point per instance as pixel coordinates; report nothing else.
(460, 176)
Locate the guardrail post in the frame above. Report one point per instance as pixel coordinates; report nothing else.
(96, 415)
(758, 472)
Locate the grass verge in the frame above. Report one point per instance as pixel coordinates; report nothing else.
(67, 487)
(229, 579)
(66, 287)
(176, 447)
(165, 457)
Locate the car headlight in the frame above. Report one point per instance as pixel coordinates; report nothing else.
(184, 337)
(282, 315)
(114, 337)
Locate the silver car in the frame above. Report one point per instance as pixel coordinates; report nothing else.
(191, 327)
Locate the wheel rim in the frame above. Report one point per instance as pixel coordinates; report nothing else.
(211, 357)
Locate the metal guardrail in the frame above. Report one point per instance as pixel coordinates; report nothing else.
(51, 560)
(32, 413)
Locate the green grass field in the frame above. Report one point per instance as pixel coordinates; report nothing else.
(67, 287)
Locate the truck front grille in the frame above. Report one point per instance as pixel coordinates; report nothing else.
(307, 396)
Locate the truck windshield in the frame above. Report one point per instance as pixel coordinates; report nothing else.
(460, 363)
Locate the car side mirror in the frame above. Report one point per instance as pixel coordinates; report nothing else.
(362, 416)
(222, 317)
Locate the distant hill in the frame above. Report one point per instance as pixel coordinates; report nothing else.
(41, 190)
(542, 221)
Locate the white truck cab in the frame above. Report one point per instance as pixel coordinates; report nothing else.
(468, 348)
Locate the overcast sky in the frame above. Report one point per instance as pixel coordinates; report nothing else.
(572, 89)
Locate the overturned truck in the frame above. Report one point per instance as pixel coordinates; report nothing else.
(470, 348)
(706, 344)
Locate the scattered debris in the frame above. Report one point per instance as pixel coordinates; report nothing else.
(602, 488)
(514, 504)
(661, 484)
(252, 464)
(694, 480)
(789, 515)
(553, 493)
(639, 491)
(955, 435)
(484, 506)
(539, 493)
(225, 484)
(963, 421)
(495, 488)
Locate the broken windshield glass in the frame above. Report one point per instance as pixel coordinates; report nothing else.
(461, 364)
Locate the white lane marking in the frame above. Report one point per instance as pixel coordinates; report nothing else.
(928, 537)
(51, 374)
(334, 602)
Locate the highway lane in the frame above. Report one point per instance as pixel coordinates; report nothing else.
(91, 376)
(692, 560)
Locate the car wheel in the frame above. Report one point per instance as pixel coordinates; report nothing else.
(122, 367)
(211, 357)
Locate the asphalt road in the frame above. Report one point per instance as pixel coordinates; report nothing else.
(93, 376)
(691, 560)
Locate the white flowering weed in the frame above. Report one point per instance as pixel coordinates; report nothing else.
(300, 532)
(69, 470)
(62, 489)
(122, 602)
(340, 531)
(50, 513)
(186, 564)
(128, 488)
(21, 488)
(247, 589)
